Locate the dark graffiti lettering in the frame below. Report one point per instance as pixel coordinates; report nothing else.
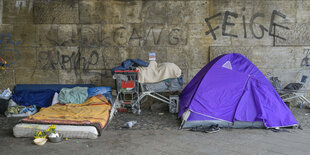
(260, 26)
(73, 62)
(244, 26)
(225, 23)
(173, 38)
(273, 24)
(119, 36)
(211, 30)
(134, 35)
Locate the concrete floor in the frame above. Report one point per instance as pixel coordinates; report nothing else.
(172, 141)
(235, 141)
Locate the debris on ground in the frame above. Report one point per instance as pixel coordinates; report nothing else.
(129, 124)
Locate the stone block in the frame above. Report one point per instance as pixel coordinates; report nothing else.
(56, 12)
(198, 57)
(197, 37)
(17, 12)
(106, 78)
(115, 35)
(112, 57)
(91, 11)
(20, 58)
(133, 12)
(88, 76)
(285, 7)
(101, 12)
(56, 58)
(179, 56)
(26, 34)
(285, 57)
(177, 35)
(298, 34)
(303, 11)
(132, 52)
(195, 12)
(92, 77)
(155, 35)
(154, 12)
(90, 35)
(58, 35)
(239, 7)
(161, 53)
(46, 34)
(6, 28)
(91, 58)
(67, 35)
(7, 79)
(70, 77)
(161, 35)
(175, 12)
(216, 51)
(114, 12)
(28, 76)
(248, 38)
(136, 35)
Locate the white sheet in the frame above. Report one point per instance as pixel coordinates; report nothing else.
(158, 72)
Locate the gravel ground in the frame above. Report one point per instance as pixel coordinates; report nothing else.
(147, 120)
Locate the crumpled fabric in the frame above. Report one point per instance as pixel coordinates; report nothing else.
(20, 109)
(76, 95)
(158, 72)
(130, 64)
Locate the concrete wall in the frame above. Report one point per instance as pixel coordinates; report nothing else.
(79, 41)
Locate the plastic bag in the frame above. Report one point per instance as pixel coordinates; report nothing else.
(130, 124)
(6, 94)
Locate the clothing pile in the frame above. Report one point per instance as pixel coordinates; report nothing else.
(15, 110)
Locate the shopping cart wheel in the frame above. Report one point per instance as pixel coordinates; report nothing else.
(174, 104)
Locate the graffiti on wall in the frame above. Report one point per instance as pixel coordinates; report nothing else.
(306, 60)
(9, 46)
(228, 14)
(75, 62)
(134, 36)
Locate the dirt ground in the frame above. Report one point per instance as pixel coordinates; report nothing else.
(157, 133)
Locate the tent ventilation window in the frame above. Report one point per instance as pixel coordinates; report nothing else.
(227, 65)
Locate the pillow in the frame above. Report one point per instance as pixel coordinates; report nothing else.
(55, 99)
(76, 95)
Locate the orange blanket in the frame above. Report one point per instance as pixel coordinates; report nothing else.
(94, 111)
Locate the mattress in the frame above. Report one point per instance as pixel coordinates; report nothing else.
(85, 120)
(68, 131)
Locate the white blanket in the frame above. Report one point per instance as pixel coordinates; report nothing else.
(158, 72)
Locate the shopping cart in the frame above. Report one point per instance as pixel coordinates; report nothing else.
(127, 88)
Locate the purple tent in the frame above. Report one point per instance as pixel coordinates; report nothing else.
(232, 92)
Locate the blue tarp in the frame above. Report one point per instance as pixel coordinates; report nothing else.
(40, 95)
(105, 91)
